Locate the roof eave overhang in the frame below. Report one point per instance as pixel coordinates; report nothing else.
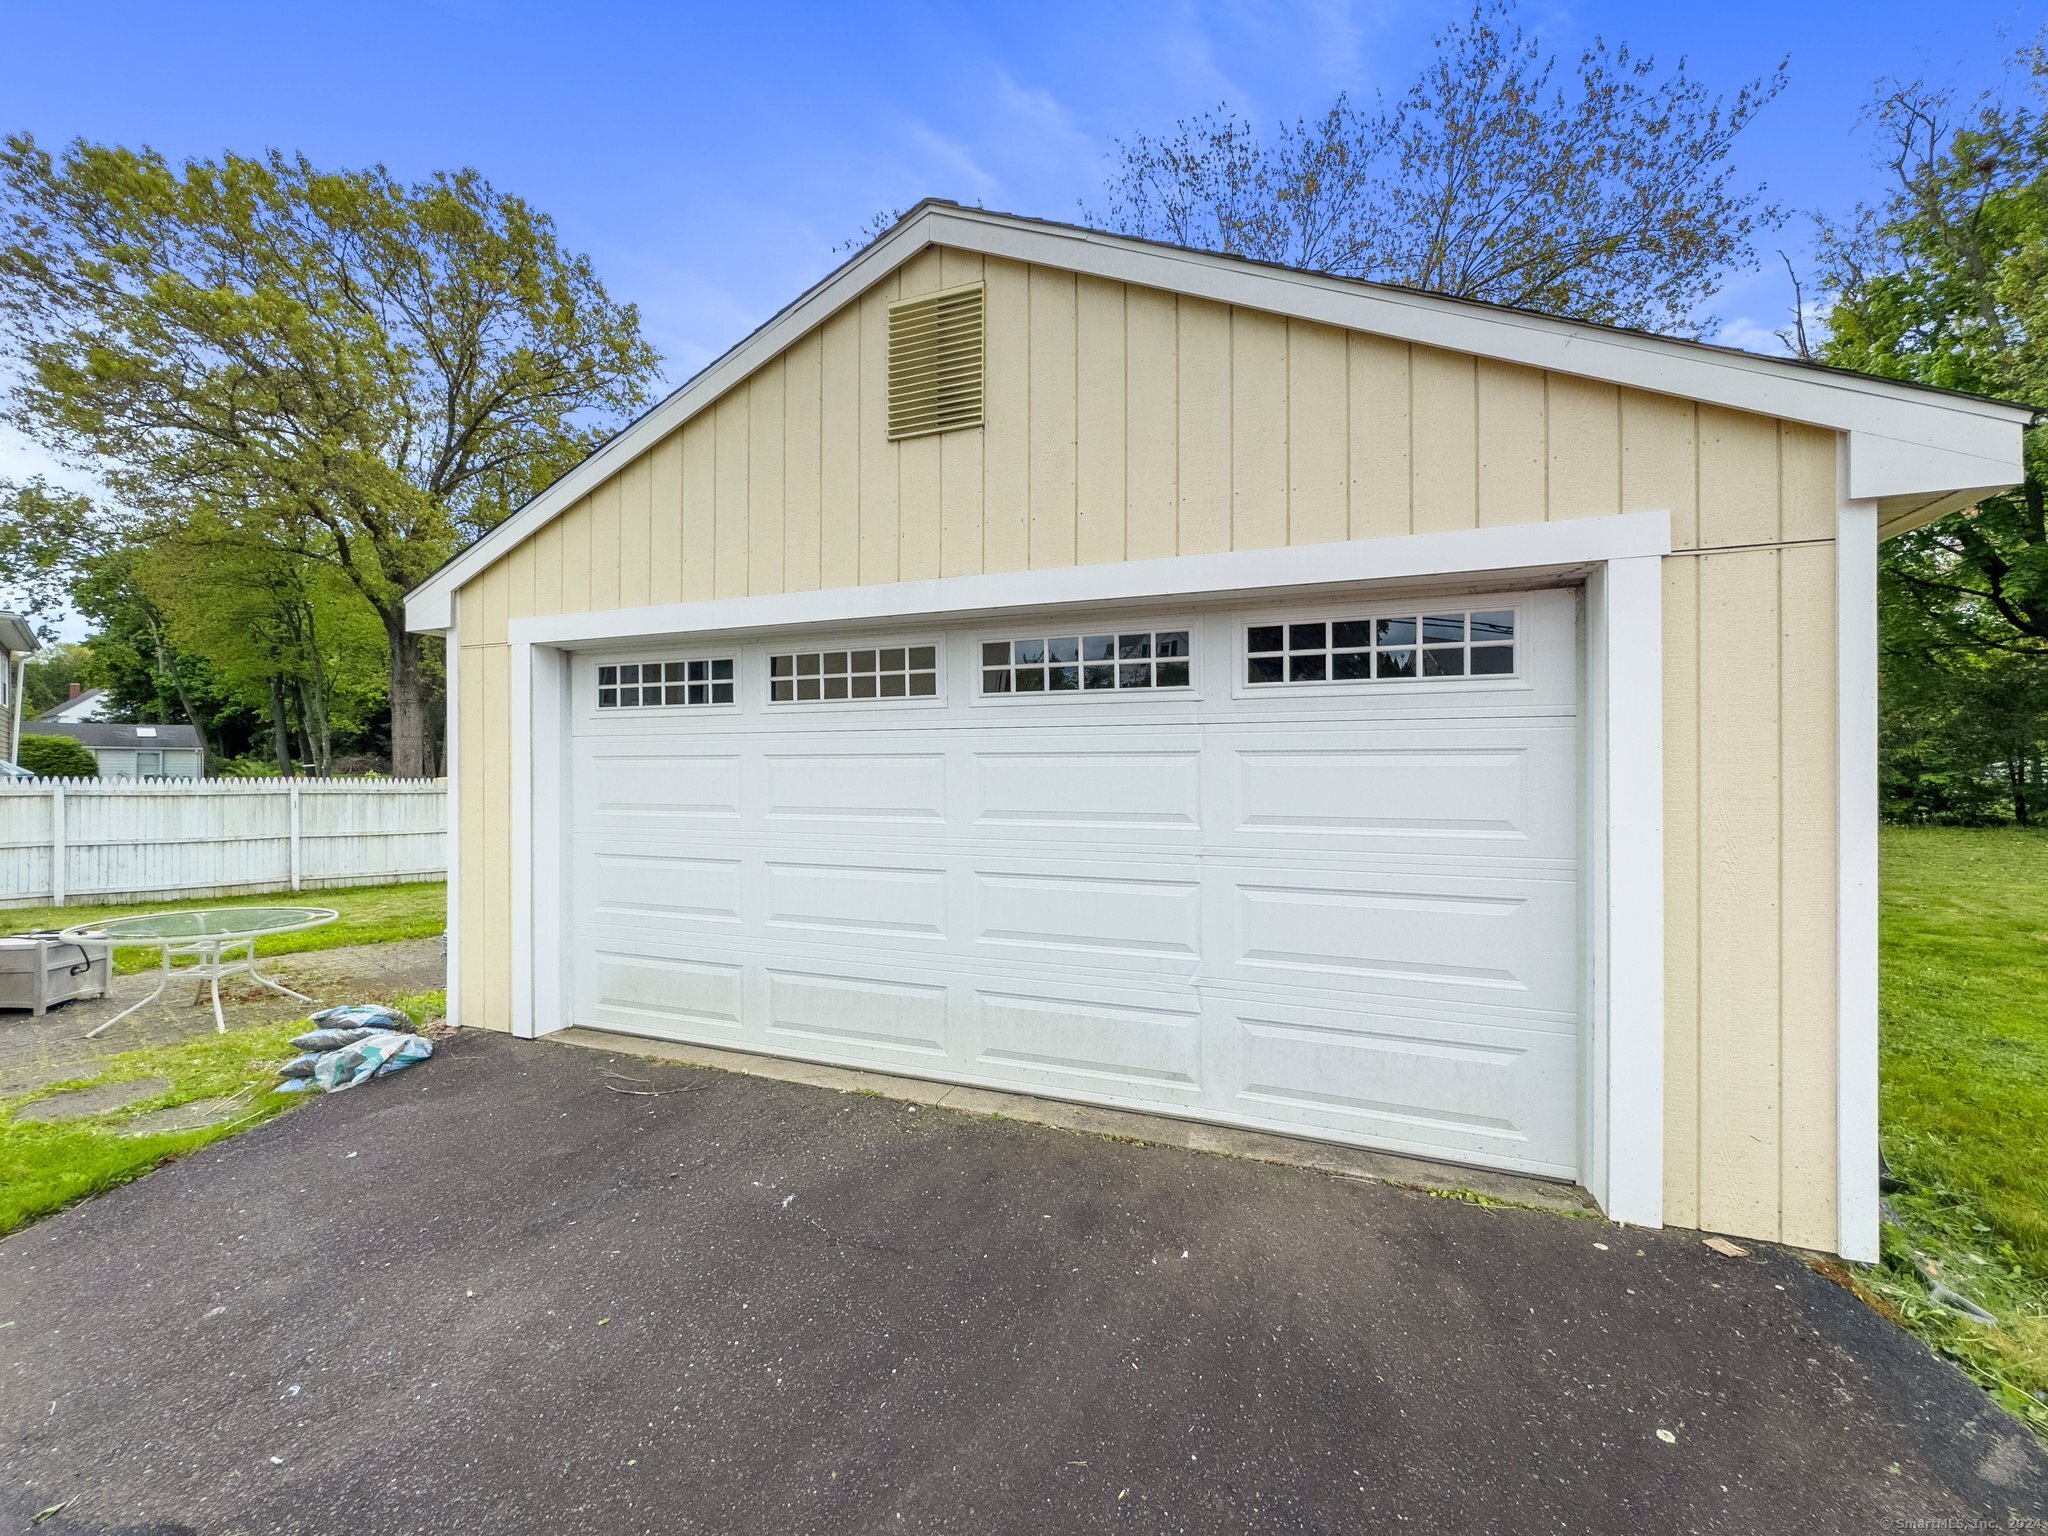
(1906, 445)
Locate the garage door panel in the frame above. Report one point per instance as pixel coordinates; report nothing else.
(627, 988)
(637, 886)
(891, 901)
(1485, 792)
(1090, 1040)
(860, 1013)
(1503, 1094)
(645, 786)
(1127, 791)
(1471, 937)
(1146, 917)
(867, 787)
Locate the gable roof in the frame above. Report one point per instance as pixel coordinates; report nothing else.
(106, 733)
(1917, 451)
(86, 699)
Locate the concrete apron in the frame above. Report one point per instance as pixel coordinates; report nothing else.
(1122, 1124)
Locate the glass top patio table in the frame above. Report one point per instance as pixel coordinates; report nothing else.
(206, 936)
(225, 923)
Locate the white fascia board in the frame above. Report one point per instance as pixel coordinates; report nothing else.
(1466, 551)
(1984, 461)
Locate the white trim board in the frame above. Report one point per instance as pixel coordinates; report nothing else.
(1622, 789)
(1904, 440)
(1571, 543)
(1856, 1057)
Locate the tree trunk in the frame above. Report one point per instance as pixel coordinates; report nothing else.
(2021, 812)
(412, 734)
(280, 730)
(314, 729)
(168, 667)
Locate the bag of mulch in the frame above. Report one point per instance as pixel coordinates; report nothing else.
(299, 1066)
(371, 1016)
(319, 1040)
(378, 1055)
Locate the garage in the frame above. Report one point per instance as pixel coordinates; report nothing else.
(1069, 665)
(1301, 866)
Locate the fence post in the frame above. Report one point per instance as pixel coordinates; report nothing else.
(58, 853)
(295, 835)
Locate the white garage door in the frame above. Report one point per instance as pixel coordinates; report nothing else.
(1308, 868)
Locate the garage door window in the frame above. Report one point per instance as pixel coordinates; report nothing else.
(879, 672)
(1378, 648)
(665, 684)
(1148, 659)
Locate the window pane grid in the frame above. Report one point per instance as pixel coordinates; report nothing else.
(666, 684)
(1099, 663)
(854, 674)
(1435, 643)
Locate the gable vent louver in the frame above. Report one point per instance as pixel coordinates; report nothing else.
(935, 362)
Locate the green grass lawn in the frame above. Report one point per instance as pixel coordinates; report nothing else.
(46, 1166)
(1964, 1034)
(370, 914)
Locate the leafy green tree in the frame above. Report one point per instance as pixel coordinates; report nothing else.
(1945, 282)
(146, 676)
(1964, 726)
(44, 534)
(57, 757)
(352, 371)
(48, 675)
(1606, 192)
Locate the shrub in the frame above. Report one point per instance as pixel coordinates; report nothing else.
(253, 766)
(58, 757)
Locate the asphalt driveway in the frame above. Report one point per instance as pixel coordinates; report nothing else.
(500, 1294)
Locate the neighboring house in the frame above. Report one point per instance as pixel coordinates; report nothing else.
(84, 704)
(134, 751)
(17, 643)
(1067, 664)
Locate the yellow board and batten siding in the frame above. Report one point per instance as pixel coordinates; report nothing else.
(1125, 423)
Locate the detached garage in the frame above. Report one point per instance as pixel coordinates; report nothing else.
(1059, 663)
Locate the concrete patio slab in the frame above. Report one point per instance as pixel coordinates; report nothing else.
(83, 1102)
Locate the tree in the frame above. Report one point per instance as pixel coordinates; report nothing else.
(49, 675)
(1612, 198)
(58, 757)
(1963, 735)
(348, 370)
(44, 533)
(1945, 282)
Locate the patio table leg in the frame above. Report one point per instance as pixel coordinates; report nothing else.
(163, 980)
(258, 977)
(220, 1023)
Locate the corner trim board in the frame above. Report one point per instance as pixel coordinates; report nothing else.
(1856, 987)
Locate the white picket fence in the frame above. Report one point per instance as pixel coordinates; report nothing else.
(88, 840)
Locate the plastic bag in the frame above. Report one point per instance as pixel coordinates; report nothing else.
(364, 1016)
(377, 1055)
(318, 1040)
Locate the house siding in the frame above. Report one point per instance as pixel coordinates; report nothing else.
(1126, 423)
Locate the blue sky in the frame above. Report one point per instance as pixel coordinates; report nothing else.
(709, 158)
